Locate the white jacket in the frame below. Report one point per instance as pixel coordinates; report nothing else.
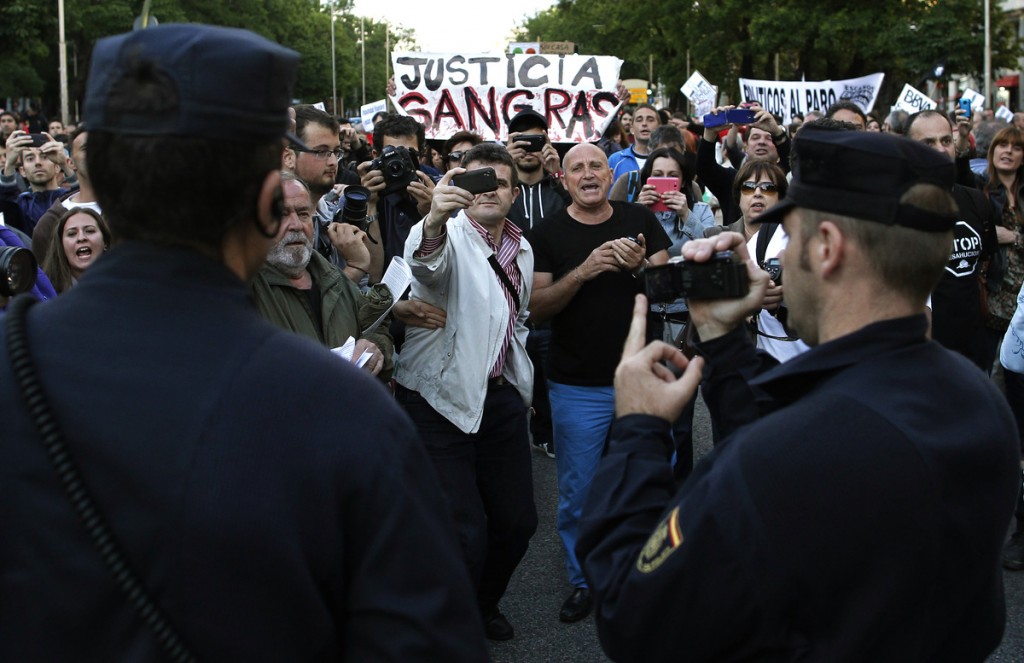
(449, 366)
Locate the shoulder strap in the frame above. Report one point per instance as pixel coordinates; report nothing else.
(764, 235)
(503, 277)
(52, 437)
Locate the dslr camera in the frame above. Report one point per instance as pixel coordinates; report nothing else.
(724, 276)
(17, 270)
(398, 166)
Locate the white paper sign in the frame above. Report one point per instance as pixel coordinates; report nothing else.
(977, 99)
(1004, 113)
(320, 106)
(913, 100)
(367, 112)
(450, 92)
(786, 98)
(702, 93)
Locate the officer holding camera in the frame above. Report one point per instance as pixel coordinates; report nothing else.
(857, 509)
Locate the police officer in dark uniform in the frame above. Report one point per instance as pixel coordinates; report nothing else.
(240, 493)
(857, 510)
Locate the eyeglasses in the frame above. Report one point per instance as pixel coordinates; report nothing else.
(455, 156)
(748, 188)
(322, 154)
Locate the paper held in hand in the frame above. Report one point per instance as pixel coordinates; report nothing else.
(346, 350)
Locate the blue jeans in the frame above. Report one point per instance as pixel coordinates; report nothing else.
(581, 417)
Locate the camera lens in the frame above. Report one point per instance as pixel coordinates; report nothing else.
(356, 201)
(17, 270)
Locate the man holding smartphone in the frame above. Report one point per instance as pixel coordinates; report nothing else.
(39, 158)
(467, 385)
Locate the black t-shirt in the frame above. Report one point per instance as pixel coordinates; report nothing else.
(956, 302)
(587, 335)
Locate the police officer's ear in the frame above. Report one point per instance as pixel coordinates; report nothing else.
(270, 205)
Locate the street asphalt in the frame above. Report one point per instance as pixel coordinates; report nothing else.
(539, 587)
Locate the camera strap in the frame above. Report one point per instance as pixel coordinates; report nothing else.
(505, 280)
(52, 438)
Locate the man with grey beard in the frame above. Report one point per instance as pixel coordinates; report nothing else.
(300, 290)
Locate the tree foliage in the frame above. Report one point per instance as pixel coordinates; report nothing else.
(812, 39)
(29, 55)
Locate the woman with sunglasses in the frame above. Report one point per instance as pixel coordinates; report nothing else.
(456, 147)
(759, 185)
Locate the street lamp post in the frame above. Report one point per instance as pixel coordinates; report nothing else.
(63, 47)
(362, 34)
(334, 66)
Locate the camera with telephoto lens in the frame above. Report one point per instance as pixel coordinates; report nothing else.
(18, 269)
(354, 210)
(724, 276)
(398, 166)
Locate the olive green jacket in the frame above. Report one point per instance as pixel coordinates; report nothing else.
(344, 309)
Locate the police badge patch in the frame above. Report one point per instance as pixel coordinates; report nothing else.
(663, 542)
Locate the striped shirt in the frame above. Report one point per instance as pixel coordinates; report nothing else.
(511, 239)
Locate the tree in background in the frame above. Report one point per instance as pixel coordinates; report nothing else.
(814, 39)
(29, 42)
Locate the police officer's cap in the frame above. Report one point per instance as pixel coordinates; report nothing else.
(863, 175)
(231, 84)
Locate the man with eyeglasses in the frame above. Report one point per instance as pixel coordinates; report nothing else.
(317, 166)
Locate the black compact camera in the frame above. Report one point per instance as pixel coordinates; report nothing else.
(18, 269)
(398, 166)
(722, 277)
(774, 268)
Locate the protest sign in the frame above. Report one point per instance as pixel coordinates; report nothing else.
(320, 106)
(367, 112)
(977, 99)
(702, 93)
(786, 98)
(1005, 114)
(913, 100)
(448, 93)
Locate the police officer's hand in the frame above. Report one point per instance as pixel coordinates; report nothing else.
(717, 317)
(415, 313)
(643, 384)
(445, 200)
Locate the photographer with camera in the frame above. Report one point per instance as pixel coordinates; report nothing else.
(857, 509)
(537, 164)
(400, 191)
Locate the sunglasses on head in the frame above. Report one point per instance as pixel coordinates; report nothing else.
(455, 156)
(766, 187)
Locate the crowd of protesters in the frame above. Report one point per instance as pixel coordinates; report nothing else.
(522, 296)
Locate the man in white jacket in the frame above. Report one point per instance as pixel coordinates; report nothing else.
(467, 385)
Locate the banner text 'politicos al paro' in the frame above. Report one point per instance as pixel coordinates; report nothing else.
(786, 98)
(448, 92)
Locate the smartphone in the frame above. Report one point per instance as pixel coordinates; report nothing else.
(477, 181)
(740, 116)
(662, 185)
(38, 140)
(536, 141)
(712, 120)
(965, 105)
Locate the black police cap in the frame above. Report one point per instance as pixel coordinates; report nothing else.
(863, 175)
(231, 84)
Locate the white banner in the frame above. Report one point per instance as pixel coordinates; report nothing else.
(448, 93)
(977, 99)
(702, 93)
(913, 100)
(787, 98)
